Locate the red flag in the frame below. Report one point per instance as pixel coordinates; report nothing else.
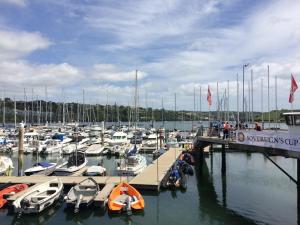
(294, 87)
(209, 96)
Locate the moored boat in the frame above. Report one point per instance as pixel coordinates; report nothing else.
(10, 190)
(132, 165)
(125, 197)
(39, 198)
(83, 193)
(38, 167)
(76, 161)
(95, 171)
(6, 164)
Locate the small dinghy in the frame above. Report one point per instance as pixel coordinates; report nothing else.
(125, 197)
(95, 171)
(186, 168)
(38, 167)
(40, 197)
(83, 193)
(187, 157)
(11, 190)
(176, 178)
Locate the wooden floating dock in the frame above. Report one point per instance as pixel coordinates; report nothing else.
(67, 180)
(102, 196)
(149, 179)
(153, 175)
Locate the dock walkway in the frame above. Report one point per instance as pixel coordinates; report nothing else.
(152, 176)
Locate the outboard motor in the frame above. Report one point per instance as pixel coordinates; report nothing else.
(128, 205)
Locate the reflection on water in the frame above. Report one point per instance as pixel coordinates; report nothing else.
(253, 191)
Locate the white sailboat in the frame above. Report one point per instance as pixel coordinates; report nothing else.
(76, 161)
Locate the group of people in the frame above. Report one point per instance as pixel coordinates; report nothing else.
(227, 128)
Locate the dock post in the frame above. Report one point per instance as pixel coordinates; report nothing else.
(223, 168)
(21, 149)
(201, 158)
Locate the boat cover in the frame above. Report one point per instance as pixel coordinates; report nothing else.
(44, 164)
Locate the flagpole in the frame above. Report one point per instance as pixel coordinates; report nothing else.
(276, 106)
(218, 103)
(262, 103)
(228, 100)
(252, 117)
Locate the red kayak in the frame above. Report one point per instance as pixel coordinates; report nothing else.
(11, 190)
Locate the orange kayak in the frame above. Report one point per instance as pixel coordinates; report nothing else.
(11, 190)
(124, 196)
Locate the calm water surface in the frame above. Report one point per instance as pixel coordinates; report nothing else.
(253, 191)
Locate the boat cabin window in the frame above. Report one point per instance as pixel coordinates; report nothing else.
(131, 162)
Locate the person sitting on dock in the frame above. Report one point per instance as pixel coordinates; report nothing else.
(226, 130)
(257, 127)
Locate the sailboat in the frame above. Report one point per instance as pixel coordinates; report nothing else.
(133, 163)
(76, 161)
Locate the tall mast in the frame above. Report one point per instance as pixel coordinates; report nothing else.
(32, 106)
(162, 112)
(135, 99)
(218, 102)
(194, 109)
(4, 108)
(46, 106)
(15, 112)
(200, 104)
(24, 105)
(175, 111)
(83, 108)
(63, 109)
(252, 117)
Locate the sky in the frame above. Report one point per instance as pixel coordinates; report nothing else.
(177, 46)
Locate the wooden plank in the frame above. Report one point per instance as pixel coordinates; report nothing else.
(67, 180)
(103, 195)
(152, 176)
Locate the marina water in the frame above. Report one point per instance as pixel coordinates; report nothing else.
(253, 191)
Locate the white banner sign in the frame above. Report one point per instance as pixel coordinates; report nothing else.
(272, 139)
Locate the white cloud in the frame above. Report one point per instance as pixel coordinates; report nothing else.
(111, 73)
(16, 44)
(20, 74)
(20, 3)
(136, 24)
